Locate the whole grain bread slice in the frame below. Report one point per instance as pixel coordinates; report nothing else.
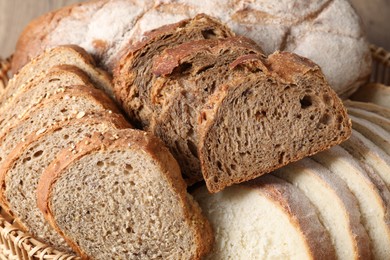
(336, 206)
(264, 219)
(142, 211)
(71, 102)
(20, 172)
(65, 54)
(370, 191)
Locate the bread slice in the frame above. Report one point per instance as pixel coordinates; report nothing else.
(20, 172)
(374, 132)
(380, 110)
(371, 193)
(337, 207)
(373, 93)
(370, 116)
(55, 80)
(70, 102)
(265, 219)
(142, 211)
(369, 154)
(66, 54)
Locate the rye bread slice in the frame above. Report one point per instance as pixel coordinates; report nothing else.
(142, 211)
(267, 218)
(65, 54)
(370, 191)
(20, 172)
(70, 102)
(337, 207)
(132, 75)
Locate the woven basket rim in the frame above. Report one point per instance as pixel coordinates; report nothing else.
(19, 243)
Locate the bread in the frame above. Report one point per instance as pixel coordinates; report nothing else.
(369, 154)
(293, 25)
(142, 211)
(337, 207)
(373, 93)
(69, 55)
(373, 117)
(73, 102)
(264, 219)
(371, 193)
(380, 110)
(373, 132)
(22, 168)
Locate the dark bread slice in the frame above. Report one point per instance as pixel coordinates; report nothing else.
(133, 72)
(61, 55)
(70, 102)
(20, 172)
(143, 210)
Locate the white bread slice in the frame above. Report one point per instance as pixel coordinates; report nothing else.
(373, 93)
(371, 193)
(20, 173)
(70, 102)
(131, 200)
(380, 110)
(369, 154)
(65, 54)
(370, 116)
(264, 219)
(373, 132)
(337, 207)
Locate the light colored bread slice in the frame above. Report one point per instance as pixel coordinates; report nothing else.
(264, 219)
(337, 207)
(373, 132)
(380, 110)
(370, 116)
(369, 154)
(373, 93)
(66, 54)
(21, 170)
(41, 87)
(142, 210)
(71, 102)
(371, 193)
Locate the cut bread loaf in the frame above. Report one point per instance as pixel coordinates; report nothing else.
(68, 55)
(71, 102)
(142, 211)
(337, 207)
(369, 154)
(373, 93)
(264, 219)
(371, 193)
(220, 102)
(293, 25)
(21, 170)
(380, 110)
(370, 116)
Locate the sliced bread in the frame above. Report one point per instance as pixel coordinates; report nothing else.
(66, 54)
(371, 193)
(131, 200)
(71, 102)
(373, 132)
(337, 207)
(21, 170)
(369, 154)
(373, 93)
(264, 219)
(370, 116)
(380, 110)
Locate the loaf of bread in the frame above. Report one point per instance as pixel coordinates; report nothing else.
(380, 110)
(142, 209)
(373, 117)
(374, 93)
(328, 32)
(221, 106)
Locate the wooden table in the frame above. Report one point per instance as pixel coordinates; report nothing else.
(15, 14)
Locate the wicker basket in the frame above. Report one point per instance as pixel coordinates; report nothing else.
(15, 244)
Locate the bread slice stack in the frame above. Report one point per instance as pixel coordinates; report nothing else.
(223, 108)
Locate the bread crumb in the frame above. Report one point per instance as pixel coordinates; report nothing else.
(80, 114)
(40, 131)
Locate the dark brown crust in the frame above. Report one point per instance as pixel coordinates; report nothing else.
(120, 139)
